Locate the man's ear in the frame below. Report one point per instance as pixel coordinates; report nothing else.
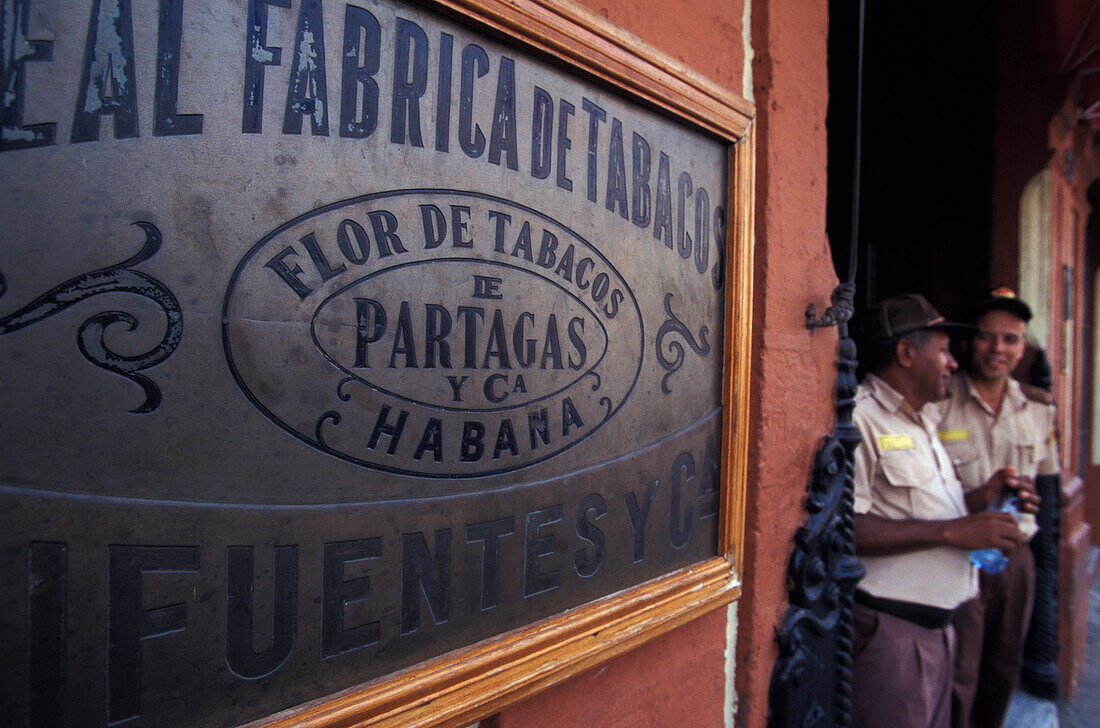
(904, 353)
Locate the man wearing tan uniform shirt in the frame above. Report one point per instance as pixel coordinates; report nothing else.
(992, 421)
(914, 528)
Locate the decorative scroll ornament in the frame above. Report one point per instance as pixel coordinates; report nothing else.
(811, 683)
(90, 336)
(673, 325)
(604, 401)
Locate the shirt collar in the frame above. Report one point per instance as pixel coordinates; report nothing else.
(1014, 396)
(969, 392)
(890, 399)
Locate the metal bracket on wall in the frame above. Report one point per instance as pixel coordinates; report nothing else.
(840, 312)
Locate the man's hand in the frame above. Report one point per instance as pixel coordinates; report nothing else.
(1005, 479)
(1025, 491)
(988, 529)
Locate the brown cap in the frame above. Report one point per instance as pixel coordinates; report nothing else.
(1004, 298)
(905, 314)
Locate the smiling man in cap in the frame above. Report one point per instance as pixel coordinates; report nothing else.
(992, 421)
(914, 526)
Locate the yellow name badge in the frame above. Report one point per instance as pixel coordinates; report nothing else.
(953, 435)
(896, 442)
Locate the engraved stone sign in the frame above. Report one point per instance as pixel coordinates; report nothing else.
(334, 337)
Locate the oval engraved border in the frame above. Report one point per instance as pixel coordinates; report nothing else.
(316, 441)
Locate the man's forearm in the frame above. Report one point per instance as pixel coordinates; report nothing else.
(878, 536)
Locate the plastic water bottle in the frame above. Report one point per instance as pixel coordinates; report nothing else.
(994, 560)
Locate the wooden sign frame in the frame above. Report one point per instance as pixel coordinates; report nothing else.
(469, 684)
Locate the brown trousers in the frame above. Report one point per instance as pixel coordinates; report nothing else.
(901, 673)
(991, 629)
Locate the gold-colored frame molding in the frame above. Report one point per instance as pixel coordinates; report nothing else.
(471, 683)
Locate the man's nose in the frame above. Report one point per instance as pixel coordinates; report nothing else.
(952, 365)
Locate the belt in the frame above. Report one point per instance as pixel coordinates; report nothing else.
(919, 614)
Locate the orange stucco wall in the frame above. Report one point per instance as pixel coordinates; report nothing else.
(794, 371)
(680, 679)
(675, 680)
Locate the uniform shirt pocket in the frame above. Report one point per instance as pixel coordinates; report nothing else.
(910, 489)
(907, 468)
(967, 462)
(1029, 454)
